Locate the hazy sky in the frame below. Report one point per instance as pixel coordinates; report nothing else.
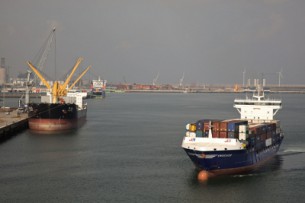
(212, 41)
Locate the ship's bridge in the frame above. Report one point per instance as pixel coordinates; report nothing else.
(258, 109)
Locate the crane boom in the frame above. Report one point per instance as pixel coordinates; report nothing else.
(39, 75)
(79, 77)
(46, 51)
(155, 79)
(181, 80)
(64, 86)
(58, 90)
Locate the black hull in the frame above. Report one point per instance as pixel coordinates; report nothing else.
(44, 117)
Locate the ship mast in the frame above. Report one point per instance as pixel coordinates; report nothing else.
(260, 94)
(258, 109)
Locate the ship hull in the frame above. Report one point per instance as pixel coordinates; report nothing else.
(232, 161)
(56, 117)
(101, 94)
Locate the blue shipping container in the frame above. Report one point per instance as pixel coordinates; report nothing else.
(199, 124)
(234, 125)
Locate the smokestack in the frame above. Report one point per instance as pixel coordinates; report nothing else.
(2, 72)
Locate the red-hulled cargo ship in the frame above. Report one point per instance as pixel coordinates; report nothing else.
(58, 111)
(57, 117)
(236, 145)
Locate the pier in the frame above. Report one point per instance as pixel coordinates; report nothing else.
(12, 121)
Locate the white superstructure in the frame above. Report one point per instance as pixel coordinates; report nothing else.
(258, 109)
(99, 84)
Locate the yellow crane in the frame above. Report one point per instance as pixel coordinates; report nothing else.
(60, 90)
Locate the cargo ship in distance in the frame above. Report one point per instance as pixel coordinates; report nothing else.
(233, 146)
(98, 88)
(58, 111)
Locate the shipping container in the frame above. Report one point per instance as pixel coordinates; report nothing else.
(199, 133)
(263, 136)
(260, 145)
(243, 129)
(242, 136)
(232, 135)
(210, 123)
(223, 134)
(269, 134)
(271, 127)
(234, 125)
(216, 125)
(192, 127)
(252, 141)
(268, 142)
(215, 134)
(223, 126)
(199, 124)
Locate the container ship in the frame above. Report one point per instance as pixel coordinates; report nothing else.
(98, 88)
(58, 111)
(240, 145)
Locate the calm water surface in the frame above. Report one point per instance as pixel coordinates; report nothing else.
(129, 150)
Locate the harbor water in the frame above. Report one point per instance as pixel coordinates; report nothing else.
(129, 150)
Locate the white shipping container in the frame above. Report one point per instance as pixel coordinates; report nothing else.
(242, 136)
(242, 128)
(268, 142)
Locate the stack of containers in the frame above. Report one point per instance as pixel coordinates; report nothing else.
(271, 130)
(215, 128)
(199, 127)
(206, 128)
(255, 132)
(203, 127)
(276, 133)
(237, 128)
(223, 131)
(263, 133)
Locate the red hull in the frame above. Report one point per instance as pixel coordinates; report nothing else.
(54, 125)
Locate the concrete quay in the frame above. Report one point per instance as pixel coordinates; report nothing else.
(12, 121)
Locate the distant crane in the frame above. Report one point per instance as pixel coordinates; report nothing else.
(181, 80)
(124, 79)
(155, 79)
(244, 73)
(28, 84)
(280, 76)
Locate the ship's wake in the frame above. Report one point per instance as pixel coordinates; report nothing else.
(291, 151)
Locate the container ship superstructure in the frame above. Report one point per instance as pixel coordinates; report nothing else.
(236, 145)
(98, 88)
(58, 111)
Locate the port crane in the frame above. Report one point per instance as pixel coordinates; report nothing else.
(59, 90)
(181, 80)
(45, 50)
(155, 79)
